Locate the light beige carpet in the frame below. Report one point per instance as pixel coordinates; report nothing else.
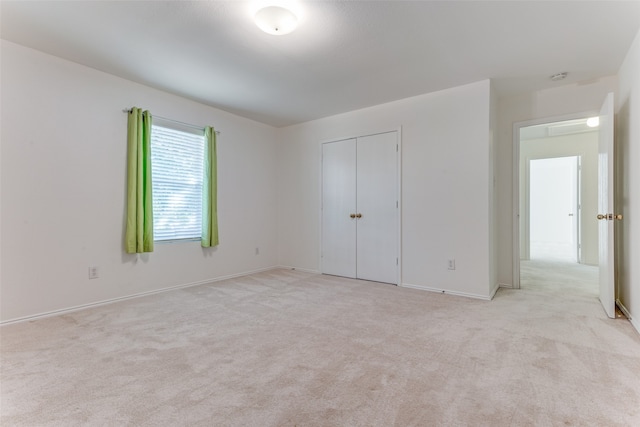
(286, 348)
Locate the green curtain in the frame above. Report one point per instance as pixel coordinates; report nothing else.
(210, 191)
(139, 233)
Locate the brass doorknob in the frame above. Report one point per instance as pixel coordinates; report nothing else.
(359, 215)
(610, 217)
(352, 216)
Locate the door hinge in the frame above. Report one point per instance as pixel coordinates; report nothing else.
(396, 261)
(397, 148)
(397, 204)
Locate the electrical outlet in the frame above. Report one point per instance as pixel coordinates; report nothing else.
(94, 272)
(451, 264)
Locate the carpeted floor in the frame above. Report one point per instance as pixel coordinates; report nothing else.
(559, 276)
(286, 348)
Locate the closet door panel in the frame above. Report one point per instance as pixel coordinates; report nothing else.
(377, 196)
(338, 205)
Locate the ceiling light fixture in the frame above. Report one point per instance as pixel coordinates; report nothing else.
(593, 122)
(276, 20)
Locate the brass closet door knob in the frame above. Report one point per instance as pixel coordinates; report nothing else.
(352, 216)
(359, 215)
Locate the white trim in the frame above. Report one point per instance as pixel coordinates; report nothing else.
(515, 205)
(634, 322)
(448, 292)
(176, 125)
(133, 296)
(494, 291)
(525, 217)
(359, 135)
(399, 195)
(623, 309)
(321, 213)
(515, 201)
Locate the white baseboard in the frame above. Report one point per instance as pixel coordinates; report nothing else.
(505, 285)
(494, 290)
(128, 297)
(447, 292)
(623, 309)
(634, 322)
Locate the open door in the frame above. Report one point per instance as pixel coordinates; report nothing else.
(606, 218)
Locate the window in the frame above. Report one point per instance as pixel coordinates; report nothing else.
(177, 156)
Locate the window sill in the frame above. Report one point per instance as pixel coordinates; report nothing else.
(191, 239)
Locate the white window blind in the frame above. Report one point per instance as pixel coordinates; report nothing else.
(176, 173)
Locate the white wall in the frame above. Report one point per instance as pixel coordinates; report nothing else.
(586, 146)
(446, 186)
(628, 183)
(567, 101)
(63, 142)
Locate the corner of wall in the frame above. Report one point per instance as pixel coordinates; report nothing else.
(493, 203)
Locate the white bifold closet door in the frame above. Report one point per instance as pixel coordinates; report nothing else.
(338, 208)
(360, 208)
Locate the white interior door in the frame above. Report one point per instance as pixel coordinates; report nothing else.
(553, 189)
(377, 204)
(605, 208)
(339, 208)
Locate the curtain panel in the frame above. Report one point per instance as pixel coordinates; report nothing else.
(210, 191)
(139, 227)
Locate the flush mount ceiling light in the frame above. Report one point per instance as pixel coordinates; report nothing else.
(276, 20)
(558, 77)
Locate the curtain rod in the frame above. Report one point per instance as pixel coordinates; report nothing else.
(126, 110)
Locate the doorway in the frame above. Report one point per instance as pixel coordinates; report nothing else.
(558, 191)
(554, 208)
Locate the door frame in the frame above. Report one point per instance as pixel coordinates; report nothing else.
(515, 190)
(398, 130)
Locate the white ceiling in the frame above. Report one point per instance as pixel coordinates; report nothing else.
(345, 55)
